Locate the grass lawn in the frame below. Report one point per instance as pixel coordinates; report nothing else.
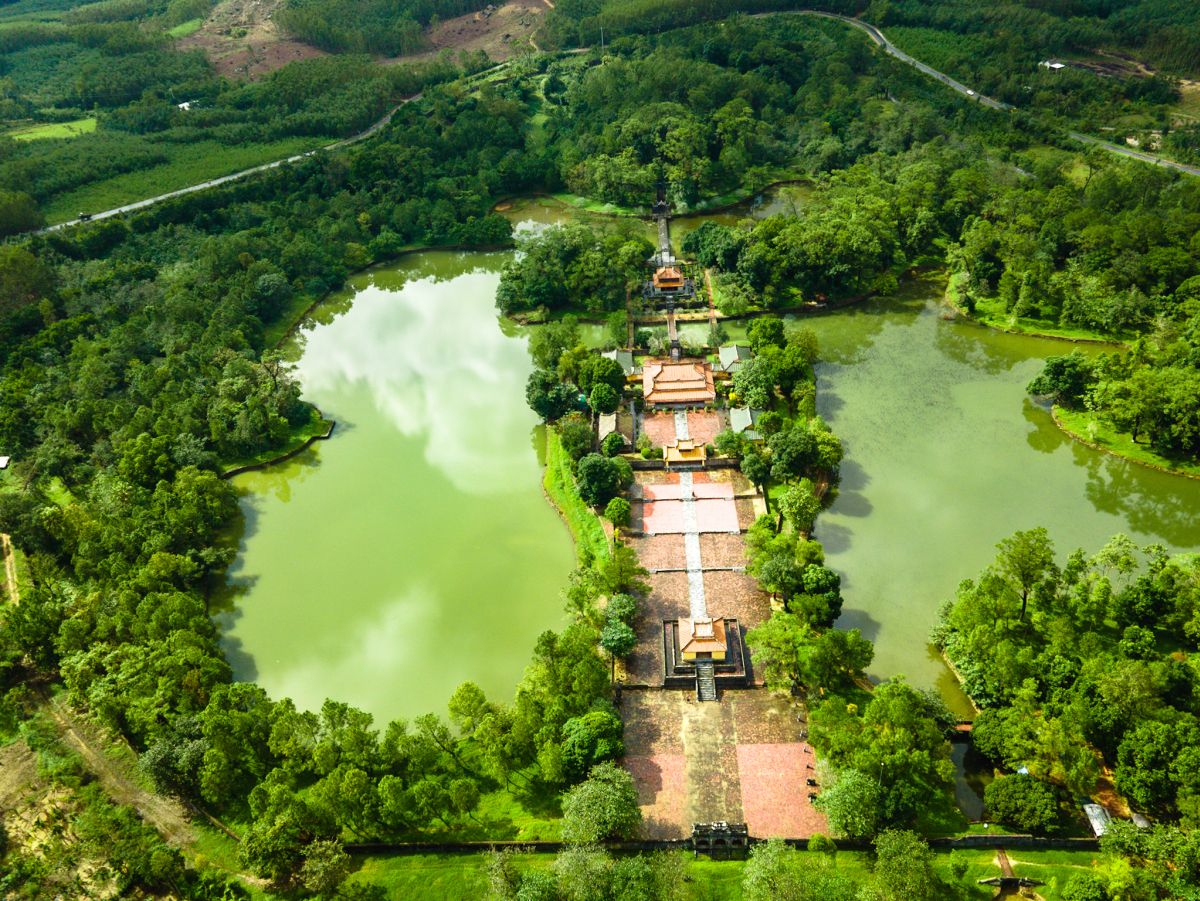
(1053, 868)
(316, 425)
(192, 164)
(183, 29)
(54, 129)
(560, 488)
(453, 876)
(1088, 427)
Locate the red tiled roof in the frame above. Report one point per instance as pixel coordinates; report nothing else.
(690, 382)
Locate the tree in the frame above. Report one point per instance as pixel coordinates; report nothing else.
(793, 452)
(1021, 802)
(1066, 379)
(598, 478)
(603, 398)
(754, 383)
(613, 444)
(757, 468)
(18, 213)
(604, 806)
(837, 658)
(1025, 558)
(547, 396)
(23, 279)
(799, 506)
(618, 512)
(326, 866)
(766, 331)
(904, 867)
(618, 639)
(851, 804)
(550, 341)
(591, 739)
(778, 872)
(575, 433)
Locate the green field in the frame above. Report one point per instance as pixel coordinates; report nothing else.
(193, 163)
(54, 130)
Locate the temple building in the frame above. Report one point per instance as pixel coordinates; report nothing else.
(689, 382)
(702, 639)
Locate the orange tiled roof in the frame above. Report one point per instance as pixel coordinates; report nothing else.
(689, 382)
(702, 635)
(668, 276)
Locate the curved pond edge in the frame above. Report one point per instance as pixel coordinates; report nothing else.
(949, 298)
(285, 454)
(1067, 430)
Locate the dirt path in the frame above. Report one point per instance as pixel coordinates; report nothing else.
(10, 569)
(166, 815)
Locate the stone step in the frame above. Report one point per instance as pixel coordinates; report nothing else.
(706, 682)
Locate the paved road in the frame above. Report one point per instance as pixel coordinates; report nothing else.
(225, 179)
(879, 38)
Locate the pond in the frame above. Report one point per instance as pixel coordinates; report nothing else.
(945, 456)
(414, 549)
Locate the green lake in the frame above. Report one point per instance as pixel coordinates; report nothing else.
(414, 549)
(945, 456)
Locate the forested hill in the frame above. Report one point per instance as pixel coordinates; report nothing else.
(1165, 33)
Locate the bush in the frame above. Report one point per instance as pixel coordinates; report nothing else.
(612, 444)
(624, 471)
(618, 512)
(1022, 802)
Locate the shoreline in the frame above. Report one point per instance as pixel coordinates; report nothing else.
(286, 454)
(1071, 433)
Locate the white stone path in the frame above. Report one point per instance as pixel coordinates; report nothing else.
(691, 530)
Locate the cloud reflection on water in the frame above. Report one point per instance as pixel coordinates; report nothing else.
(438, 367)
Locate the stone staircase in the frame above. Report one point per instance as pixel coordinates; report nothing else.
(706, 681)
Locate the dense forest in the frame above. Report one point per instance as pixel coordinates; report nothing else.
(1081, 670)
(138, 363)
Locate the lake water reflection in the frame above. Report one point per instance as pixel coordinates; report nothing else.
(413, 550)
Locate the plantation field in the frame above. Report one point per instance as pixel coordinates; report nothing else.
(193, 164)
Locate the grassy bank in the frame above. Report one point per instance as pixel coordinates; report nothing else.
(990, 311)
(560, 487)
(1091, 430)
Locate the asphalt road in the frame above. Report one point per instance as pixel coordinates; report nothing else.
(225, 179)
(872, 32)
(879, 38)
